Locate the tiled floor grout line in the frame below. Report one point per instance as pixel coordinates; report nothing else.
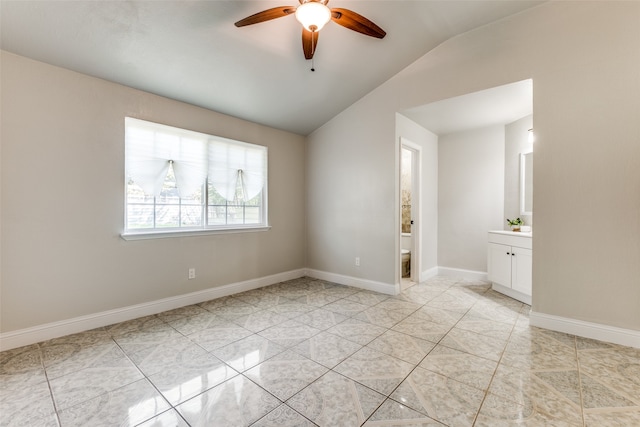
(282, 402)
(486, 393)
(285, 402)
(386, 397)
(424, 357)
(46, 375)
(584, 419)
(498, 364)
(338, 373)
(175, 407)
(145, 377)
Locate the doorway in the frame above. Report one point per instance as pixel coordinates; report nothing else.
(410, 208)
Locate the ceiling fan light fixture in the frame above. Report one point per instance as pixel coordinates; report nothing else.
(313, 15)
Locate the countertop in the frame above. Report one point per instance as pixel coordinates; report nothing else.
(513, 233)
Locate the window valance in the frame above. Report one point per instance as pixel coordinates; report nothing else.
(229, 165)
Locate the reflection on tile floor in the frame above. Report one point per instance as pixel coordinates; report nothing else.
(312, 353)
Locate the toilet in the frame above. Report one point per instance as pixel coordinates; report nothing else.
(406, 262)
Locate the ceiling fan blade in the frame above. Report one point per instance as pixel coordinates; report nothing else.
(356, 22)
(266, 15)
(309, 43)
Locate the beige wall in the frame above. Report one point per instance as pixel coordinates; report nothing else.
(351, 183)
(470, 195)
(584, 59)
(63, 202)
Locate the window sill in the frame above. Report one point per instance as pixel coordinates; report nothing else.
(146, 235)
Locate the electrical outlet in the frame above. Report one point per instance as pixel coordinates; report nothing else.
(357, 261)
(192, 273)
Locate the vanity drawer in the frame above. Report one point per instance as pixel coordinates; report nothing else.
(512, 239)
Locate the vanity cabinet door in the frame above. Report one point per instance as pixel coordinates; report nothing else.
(509, 264)
(521, 270)
(499, 264)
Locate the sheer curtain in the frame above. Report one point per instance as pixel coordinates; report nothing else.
(152, 147)
(234, 164)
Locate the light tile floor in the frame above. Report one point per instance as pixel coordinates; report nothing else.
(308, 352)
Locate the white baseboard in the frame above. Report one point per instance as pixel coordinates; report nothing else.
(428, 274)
(371, 285)
(597, 331)
(22, 337)
(464, 274)
(61, 328)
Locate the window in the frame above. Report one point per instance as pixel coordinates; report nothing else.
(179, 180)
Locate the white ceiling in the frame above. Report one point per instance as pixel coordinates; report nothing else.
(495, 106)
(192, 52)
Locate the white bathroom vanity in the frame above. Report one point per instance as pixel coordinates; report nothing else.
(509, 263)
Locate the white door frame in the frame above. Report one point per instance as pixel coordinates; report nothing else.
(416, 208)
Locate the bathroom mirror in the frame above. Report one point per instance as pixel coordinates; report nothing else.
(526, 183)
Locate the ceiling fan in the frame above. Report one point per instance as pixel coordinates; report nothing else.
(313, 15)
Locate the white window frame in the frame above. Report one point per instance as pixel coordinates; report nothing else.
(205, 228)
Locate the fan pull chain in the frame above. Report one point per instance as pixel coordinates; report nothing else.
(313, 51)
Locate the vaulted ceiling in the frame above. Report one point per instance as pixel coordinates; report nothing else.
(191, 51)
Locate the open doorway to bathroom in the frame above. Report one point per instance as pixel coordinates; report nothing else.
(409, 213)
(472, 149)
